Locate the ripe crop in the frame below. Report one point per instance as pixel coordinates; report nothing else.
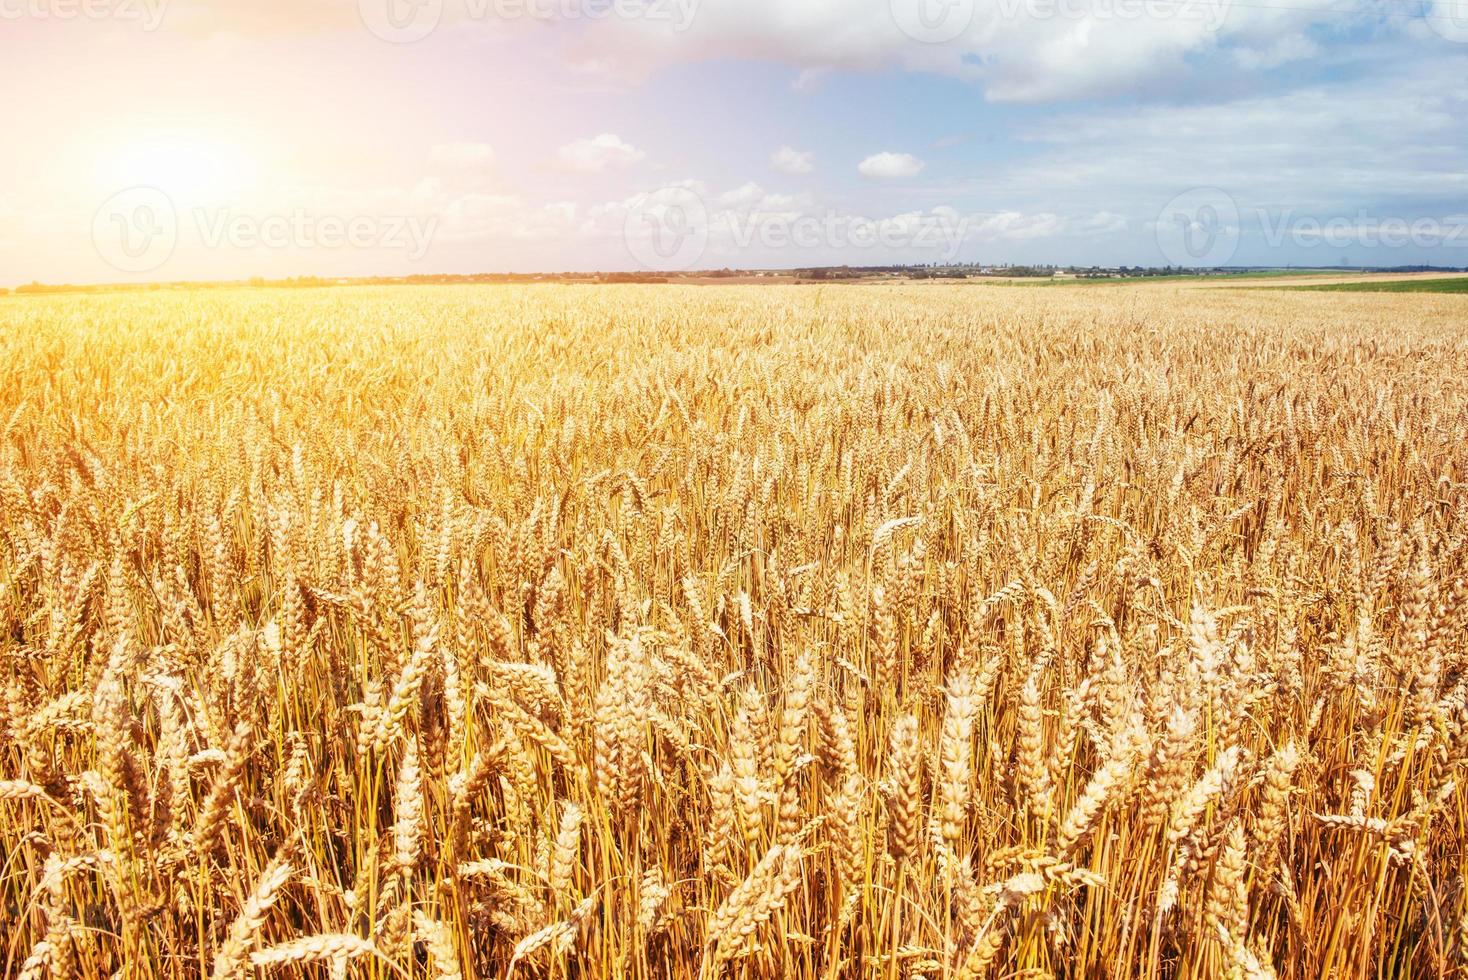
(676, 632)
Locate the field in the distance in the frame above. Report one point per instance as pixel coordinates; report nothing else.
(674, 632)
(1459, 285)
(1363, 282)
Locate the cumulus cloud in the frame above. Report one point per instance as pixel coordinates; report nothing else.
(597, 154)
(792, 161)
(1017, 50)
(747, 227)
(890, 166)
(1291, 47)
(1111, 173)
(1100, 223)
(1018, 226)
(752, 199)
(1263, 149)
(744, 196)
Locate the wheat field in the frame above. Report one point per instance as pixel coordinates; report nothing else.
(678, 632)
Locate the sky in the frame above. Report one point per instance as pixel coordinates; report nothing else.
(163, 140)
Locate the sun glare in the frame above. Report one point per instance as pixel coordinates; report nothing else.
(181, 167)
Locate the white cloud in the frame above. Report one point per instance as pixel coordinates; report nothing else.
(751, 199)
(460, 157)
(1321, 146)
(1315, 152)
(745, 196)
(891, 166)
(1015, 225)
(791, 161)
(1018, 50)
(597, 154)
(1291, 47)
(1100, 223)
(609, 216)
(748, 228)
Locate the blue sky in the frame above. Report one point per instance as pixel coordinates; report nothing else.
(178, 139)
